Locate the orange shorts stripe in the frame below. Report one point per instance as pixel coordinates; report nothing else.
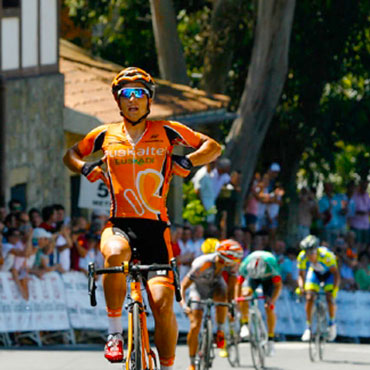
(114, 313)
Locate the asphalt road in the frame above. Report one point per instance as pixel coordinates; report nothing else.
(289, 356)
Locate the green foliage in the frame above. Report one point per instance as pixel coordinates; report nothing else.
(121, 30)
(194, 210)
(322, 118)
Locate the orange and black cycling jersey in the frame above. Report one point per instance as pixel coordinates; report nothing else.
(139, 173)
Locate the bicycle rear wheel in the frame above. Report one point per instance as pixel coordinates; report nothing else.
(232, 343)
(204, 358)
(136, 353)
(256, 341)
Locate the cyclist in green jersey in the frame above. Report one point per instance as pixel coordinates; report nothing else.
(260, 268)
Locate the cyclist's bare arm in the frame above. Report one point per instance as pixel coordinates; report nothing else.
(334, 270)
(278, 286)
(208, 151)
(301, 279)
(185, 284)
(73, 159)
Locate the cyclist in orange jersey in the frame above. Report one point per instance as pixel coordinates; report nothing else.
(140, 164)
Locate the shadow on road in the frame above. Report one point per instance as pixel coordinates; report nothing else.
(347, 362)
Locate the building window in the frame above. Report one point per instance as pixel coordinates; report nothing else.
(7, 4)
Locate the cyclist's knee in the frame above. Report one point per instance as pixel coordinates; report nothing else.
(116, 249)
(162, 303)
(310, 296)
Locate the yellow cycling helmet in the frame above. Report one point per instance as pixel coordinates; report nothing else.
(209, 245)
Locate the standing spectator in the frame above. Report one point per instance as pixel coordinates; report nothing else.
(187, 253)
(362, 274)
(45, 245)
(203, 186)
(176, 232)
(251, 204)
(273, 209)
(263, 200)
(11, 248)
(273, 173)
(332, 208)
(49, 217)
(20, 269)
(307, 211)
(15, 206)
(198, 239)
(90, 255)
(360, 221)
(61, 218)
(79, 247)
(220, 175)
(63, 245)
(35, 217)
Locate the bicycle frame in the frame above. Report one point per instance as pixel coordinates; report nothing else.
(139, 354)
(318, 328)
(203, 360)
(257, 331)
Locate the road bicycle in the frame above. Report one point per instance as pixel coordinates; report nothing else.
(319, 328)
(139, 356)
(258, 336)
(205, 352)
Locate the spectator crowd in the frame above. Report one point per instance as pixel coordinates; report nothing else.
(42, 240)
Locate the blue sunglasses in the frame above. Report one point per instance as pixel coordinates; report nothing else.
(138, 92)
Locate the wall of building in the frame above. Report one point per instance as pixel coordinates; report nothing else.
(35, 138)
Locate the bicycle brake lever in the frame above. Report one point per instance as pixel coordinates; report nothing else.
(176, 281)
(91, 284)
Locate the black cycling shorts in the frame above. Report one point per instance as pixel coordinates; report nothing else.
(149, 240)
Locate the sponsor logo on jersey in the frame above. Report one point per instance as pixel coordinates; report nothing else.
(138, 161)
(140, 152)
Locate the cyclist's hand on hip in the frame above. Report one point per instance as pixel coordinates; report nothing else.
(93, 172)
(181, 165)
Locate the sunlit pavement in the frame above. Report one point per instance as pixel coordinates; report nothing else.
(289, 356)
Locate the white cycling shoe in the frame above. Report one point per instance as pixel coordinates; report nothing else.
(244, 332)
(306, 335)
(332, 332)
(270, 349)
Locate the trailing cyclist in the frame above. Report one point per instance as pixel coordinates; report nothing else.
(139, 166)
(205, 280)
(317, 265)
(260, 268)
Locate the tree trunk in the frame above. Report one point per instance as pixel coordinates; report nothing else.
(264, 84)
(220, 45)
(171, 60)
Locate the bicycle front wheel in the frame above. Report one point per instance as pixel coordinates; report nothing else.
(204, 358)
(136, 353)
(233, 345)
(323, 331)
(256, 341)
(314, 343)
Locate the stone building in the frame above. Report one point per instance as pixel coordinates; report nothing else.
(52, 93)
(31, 101)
